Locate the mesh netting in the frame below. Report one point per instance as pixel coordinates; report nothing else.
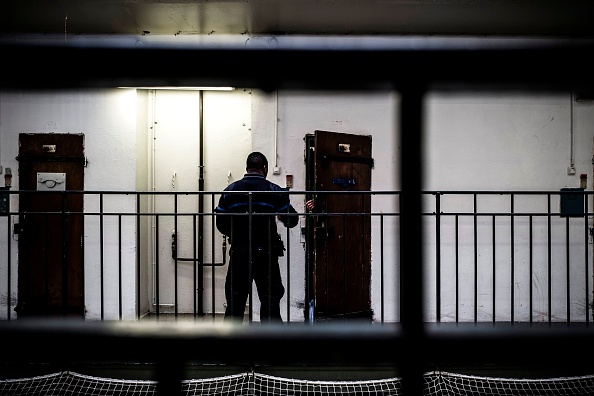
(437, 383)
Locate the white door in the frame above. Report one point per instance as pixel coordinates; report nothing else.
(193, 142)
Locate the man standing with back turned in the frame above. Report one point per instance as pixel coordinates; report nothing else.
(258, 196)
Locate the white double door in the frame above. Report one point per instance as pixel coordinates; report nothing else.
(195, 134)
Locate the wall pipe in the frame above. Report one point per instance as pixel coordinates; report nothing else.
(275, 170)
(153, 127)
(571, 144)
(200, 289)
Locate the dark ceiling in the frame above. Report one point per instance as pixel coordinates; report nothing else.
(558, 18)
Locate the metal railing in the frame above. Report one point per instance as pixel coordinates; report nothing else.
(489, 256)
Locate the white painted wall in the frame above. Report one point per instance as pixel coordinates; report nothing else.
(513, 142)
(107, 118)
(474, 141)
(520, 142)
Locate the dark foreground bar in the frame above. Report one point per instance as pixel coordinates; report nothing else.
(298, 344)
(417, 64)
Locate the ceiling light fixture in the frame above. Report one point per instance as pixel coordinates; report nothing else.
(188, 88)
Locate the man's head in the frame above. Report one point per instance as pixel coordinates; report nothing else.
(257, 162)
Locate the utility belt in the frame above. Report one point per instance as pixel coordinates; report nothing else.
(277, 248)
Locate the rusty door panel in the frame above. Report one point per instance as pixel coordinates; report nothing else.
(50, 281)
(342, 230)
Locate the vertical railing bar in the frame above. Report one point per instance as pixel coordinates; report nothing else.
(199, 247)
(344, 269)
(401, 259)
(157, 286)
(269, 270)
(175, 270)
(46, 261)
(9, 262)
(288, 256)
(364, 298)
(196, 292)
(230, 273)
(326, 273)
(475, 255)
(382, 288)
(531, 266)
(511, 258)
(250, 252)
(567, 272)
(494, 270)
(308, 306)
(65, 264)
(586, 269)
(549, 258)
(120, 284)
(101, 255)
(213, 256)
(83, 220)
(138, 259)
(457, 243)
(438, 255)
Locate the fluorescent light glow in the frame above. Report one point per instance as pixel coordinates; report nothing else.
(188, 88)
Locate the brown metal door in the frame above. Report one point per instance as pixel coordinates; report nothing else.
(50, 281)
(342, 237)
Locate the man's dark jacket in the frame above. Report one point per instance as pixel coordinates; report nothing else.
(266, 198)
